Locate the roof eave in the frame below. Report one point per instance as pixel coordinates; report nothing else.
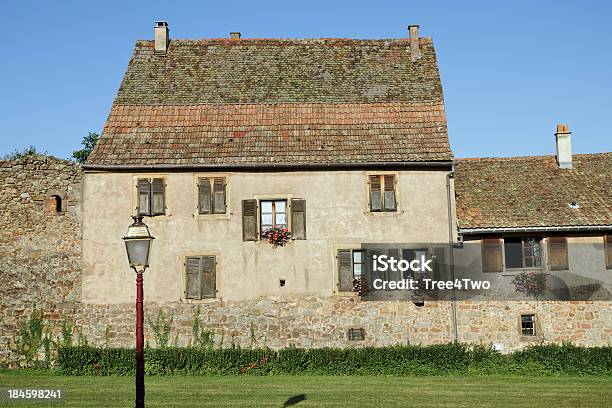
(501, 230)
(426, 165)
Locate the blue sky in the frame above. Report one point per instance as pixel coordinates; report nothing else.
(510, 70)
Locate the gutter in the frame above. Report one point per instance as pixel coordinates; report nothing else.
(427, 165)
(451, 246)
(480, 231)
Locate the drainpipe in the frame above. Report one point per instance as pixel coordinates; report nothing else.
(449, 176)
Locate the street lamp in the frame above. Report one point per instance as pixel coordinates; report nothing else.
(138, 245)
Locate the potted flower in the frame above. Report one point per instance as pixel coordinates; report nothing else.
(530, 283)
(277, 235)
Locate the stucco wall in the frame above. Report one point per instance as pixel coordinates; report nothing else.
(337, 213)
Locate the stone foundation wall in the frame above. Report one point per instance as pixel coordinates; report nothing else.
(40, 267)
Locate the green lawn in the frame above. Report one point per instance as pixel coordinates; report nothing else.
(306, 391)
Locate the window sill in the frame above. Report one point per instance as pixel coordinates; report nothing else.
(345, 294)
(516, 271)
(384, 213)
(225, 216)
(200, 301)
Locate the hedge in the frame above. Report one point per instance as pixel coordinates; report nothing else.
(399, 360)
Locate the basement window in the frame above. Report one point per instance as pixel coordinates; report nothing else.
(528, 327)
(356, 334)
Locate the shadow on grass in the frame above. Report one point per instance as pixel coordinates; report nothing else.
(296, 399)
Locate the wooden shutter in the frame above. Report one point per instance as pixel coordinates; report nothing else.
(249, 220)
(375, 194)
(144, 197)
(298, 218)
(491, 255)
(208, 275)
(204, 196)
(389, 198)
(557, 253)
(219, 195)
(608, 250)
(158, 202)
(345, 270)
(193, 280)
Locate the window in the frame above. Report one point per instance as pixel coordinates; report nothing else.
(351, 265)
(356, 334)
(212, 195)
(557, 253)
(201, 276)
(151, 196)
(382, 193)
(273, 213)
(608, 250)
(522, 252)
(528, 326)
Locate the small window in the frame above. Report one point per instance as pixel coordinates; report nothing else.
(528, 326)
(200, 277)
(54, 205)
(356, 334)
(608, 250)
(351, 265)
(382, 193)
(522, 252)
(151, 196)
(212, 195)
(272, 213)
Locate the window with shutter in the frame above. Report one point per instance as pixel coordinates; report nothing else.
(158, 204)
(204, 196)
(144, 197)
(273, 213)
(219, 195)
(201, 277)
(492, 255)
(608, 250)
(249, 220)
(383, 196)
(298, 218)
(345, 270)
(557, 253)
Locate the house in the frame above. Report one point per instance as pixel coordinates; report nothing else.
(342, 142)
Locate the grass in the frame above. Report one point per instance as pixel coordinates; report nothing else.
(322, 391)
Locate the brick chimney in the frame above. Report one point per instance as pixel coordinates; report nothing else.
(413, 34)
(564, 146)
(162, 37)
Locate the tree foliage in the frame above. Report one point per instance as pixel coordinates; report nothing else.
(89, 142)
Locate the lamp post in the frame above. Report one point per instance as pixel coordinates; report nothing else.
(138, 245)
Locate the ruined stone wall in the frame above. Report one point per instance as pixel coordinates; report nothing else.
(40, 267)
(40, 248)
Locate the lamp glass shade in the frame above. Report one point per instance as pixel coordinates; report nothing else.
(138, 251)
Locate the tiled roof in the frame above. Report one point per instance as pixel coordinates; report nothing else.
(534, 192)
(271, 101)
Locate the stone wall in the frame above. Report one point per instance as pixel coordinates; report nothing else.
(40, 249)
(40, 267)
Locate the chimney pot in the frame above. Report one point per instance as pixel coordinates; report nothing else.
(413, 34)
(235, 34)
(564, 146)
(162, 37)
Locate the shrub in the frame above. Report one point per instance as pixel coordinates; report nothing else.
(441, 359)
